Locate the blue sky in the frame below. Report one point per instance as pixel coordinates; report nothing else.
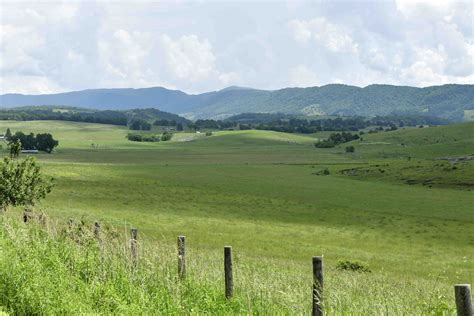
(203, 46)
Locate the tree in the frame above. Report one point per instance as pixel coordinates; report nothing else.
(179, 127)
(140, 125)
(8, 134)
(22, 183)
(15, 149)
(28, 142)
(46, 142)
(43, 142)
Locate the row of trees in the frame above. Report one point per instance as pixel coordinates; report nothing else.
(149, 137)
(140, 125)
(74, 115)
(306, 126)
(135, 118)
(289, 124)
(42, 142)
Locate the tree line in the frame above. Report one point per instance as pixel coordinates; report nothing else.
(136, 119)
(73, 115)
(166, 136)
(290, 124)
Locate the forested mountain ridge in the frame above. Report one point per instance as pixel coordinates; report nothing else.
(451, 101)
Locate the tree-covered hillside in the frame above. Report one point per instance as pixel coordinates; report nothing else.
(74, 114)
(447, 101)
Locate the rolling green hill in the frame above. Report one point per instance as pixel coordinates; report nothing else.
(441, 156)
(261, 192)
(450, 101)
(433, 142)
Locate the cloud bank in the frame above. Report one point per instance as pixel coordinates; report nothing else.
(196, 47)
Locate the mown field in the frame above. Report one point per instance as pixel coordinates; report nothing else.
(390, 204)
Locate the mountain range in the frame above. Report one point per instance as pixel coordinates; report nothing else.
(451, 101)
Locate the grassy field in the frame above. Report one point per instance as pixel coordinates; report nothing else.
(262, 193)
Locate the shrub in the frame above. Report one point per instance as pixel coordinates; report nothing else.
(350, 149)
(166, 136)
(208, 133)
(22, 183)
(336, 139)
(324, 144)
(151, 138)
(134, 137)
(352, 265)
(143, 138)
(324, 172)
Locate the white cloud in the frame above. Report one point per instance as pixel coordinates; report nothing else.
(28, 84)
(329, 35)
(189, 58)
(301, 30)
(125, 54)
(301, 76)
(190, 46)
(230, 78)
(409, 7)
(431, 45)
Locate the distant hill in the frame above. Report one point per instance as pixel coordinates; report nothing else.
(452, 101)
(76, 114)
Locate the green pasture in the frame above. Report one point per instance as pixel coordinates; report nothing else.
(262, 193)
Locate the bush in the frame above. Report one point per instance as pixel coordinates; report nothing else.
(151, 138)
(143, 138)
(352, 265)
(134, 137)
(324, 172)
(166, 136)
(324, 144)
(208, 133)
(350, 149)
(336, 139)
(22, 183)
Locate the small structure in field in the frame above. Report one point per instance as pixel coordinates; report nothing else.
(29, 151)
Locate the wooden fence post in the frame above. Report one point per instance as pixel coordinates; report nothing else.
(97, 230)
(318, 282)
(182, 257)
(462, 294)
(26, 216)
(133, 245)
(229, 280)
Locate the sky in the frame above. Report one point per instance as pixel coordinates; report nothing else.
(50, 47)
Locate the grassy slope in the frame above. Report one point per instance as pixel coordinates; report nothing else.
(412, 155)
(256, 191)
(434, 142)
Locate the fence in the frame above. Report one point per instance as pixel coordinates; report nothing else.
(463, 295)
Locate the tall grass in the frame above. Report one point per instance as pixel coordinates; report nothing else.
(56, 268)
